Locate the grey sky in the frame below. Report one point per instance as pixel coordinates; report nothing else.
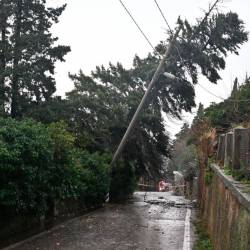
(100, 31)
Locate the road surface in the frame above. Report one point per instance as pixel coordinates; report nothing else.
(159, 221)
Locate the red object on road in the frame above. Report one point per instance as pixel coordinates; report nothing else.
(162, 186)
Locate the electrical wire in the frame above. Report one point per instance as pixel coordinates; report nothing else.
(137, 25)
(170, 30)
(219, 97)
(211, 93)
(178, 51)
(165, 19)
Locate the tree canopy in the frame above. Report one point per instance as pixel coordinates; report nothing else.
(232, 111)
(99, 108)
(27, 54)
(105, 101)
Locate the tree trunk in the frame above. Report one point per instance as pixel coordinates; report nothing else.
(3, 21)
(15, 81)
(2, 70)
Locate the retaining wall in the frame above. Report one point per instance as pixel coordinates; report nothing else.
(225, 207)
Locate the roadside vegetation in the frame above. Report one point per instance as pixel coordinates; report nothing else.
(53, 148)
(203, 241)
(224, 117)
(40, 165)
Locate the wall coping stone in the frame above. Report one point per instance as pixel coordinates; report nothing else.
(236, 187)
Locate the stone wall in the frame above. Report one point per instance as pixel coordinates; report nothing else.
(225, 208)
(14, 228)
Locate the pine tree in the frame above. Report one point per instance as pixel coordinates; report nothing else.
(104, 104)
(29, 61)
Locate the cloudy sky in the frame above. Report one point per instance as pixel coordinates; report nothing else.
(100, 31)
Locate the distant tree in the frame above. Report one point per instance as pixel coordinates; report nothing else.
(28, 53)
(234, 110)
(183, 133)
(184, 156)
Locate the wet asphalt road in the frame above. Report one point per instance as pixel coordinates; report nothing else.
(159, 223)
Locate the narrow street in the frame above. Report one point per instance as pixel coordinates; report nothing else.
(161, 222)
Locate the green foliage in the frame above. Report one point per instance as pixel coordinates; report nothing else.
(39, 165)
(227, 170)
(61, 183)
(212, 41)
(184, 155)
(208, 176)
(26, 163)
(103, 107)
(28, 53)
(232, 111)
(104, 102)
(123, 181)
(54, 110)
(203, 242)
(93, 177)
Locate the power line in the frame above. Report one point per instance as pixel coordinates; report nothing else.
(178, 51)
(170, 30)
(165, 19)
(137, 25)
(221, 98)
(145, 98)
(211, 93)
(179, 54)
(175, 122)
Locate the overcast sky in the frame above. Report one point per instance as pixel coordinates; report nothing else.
(100, 31)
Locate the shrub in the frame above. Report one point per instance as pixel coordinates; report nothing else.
(123, 181)
(93, 177)
(39, 165)
(203, 241)
(26, 157)
(62, 180)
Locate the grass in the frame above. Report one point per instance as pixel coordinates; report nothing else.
(203, 242)
(208, 176)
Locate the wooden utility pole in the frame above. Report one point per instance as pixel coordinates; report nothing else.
(145, 97)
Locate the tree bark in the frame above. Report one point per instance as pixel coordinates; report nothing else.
(16, 59)
(3, 26)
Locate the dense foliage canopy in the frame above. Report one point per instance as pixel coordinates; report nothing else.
(27, 54)
(39, 165)
(232, 111)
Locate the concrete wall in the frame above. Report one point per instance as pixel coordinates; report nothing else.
(225, 208)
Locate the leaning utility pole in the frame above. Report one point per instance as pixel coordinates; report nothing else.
(145, 97)
(156, 76)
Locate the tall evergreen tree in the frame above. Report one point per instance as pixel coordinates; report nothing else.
(28, 61)
(105, 102)
(5, 13)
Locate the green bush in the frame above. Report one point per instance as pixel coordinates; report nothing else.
(123, 181)
(62, 180)
(39, 165)
(203, 241)
(26, 160)
(93, 177)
